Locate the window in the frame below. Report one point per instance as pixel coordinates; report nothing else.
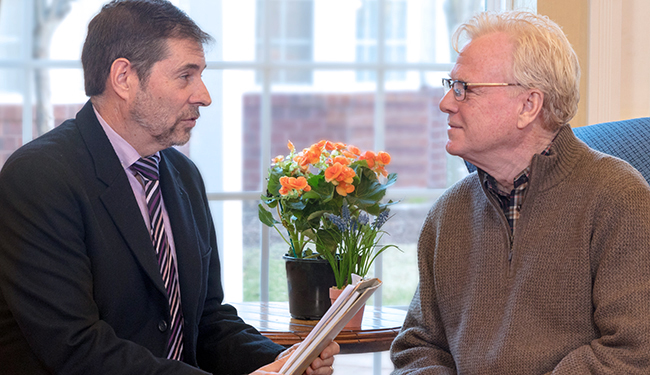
(299, 70)
(285, 26)
(394, 28)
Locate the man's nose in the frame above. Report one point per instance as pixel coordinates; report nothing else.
(448, 103)
(202, 96)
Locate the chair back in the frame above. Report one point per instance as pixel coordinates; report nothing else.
(627, 139)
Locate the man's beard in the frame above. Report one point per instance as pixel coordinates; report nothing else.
(152, 118)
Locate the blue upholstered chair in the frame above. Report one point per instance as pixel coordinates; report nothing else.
(626, 139)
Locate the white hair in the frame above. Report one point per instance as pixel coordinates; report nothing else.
(543, 59)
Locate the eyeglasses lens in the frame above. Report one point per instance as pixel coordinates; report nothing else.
(459, 90)
(457, 86)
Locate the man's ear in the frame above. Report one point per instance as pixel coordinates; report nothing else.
(122, 79)
(531, 107)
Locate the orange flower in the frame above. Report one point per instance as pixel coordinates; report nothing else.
(340, 145)
(341, 159)
(369, 157)
(344, 189)
(309, 156)
(339, 173)
(383, 158)
(291, 183)
(327, 145)
(347, 175)
(338, 157)
(333, 172)
(301, 184)
(354, 150)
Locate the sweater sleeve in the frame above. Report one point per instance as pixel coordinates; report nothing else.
(620, 263)
(421, 347)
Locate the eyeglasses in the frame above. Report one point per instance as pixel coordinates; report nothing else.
(460, 87)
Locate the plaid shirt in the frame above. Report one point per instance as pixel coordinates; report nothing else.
(511, 203)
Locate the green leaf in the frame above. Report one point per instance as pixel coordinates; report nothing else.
(266, 217)
(328, 239)
(294, 205)
(320, 189)
(271, 202)
(310, 195)
(273, 186)
(317, 214)
(370, 191)
(309, 233)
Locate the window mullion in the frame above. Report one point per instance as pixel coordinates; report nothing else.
(265, 146)
(380, 118)
(27, 57)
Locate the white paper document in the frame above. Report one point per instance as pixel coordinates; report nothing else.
(346, 306)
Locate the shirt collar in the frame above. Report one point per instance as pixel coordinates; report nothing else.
(520, 181)
(125, 152)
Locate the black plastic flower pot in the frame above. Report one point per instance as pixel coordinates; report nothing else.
(308, 281)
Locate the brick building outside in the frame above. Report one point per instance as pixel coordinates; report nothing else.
(415, 130)
(11, 128)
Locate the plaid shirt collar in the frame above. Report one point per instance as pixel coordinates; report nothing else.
(511, 203)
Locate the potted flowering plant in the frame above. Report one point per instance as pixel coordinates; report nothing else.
(307, 188)
(358, 246)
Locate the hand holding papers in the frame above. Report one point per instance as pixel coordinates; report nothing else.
(350, 301)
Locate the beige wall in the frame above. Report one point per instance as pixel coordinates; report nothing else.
(573, 16)
(635, 55)
(629, 80)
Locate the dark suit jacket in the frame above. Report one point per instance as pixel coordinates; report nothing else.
(80, 290)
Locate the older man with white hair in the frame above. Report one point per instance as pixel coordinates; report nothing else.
(538, 263)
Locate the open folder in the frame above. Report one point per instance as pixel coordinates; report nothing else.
(349, 303)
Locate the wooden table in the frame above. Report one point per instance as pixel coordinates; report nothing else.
(272, 319)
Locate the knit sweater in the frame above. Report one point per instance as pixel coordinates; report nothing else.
(568, 293)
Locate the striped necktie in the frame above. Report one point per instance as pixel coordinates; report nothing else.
(147, 168)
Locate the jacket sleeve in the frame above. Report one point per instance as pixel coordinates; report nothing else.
(226, 344)
(421, 346)
(49, 318)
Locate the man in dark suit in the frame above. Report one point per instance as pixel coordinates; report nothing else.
(83, 288)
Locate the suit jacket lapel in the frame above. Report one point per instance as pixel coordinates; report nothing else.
(118, 198)
(186, 242)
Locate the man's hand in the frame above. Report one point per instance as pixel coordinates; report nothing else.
(322, 365)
